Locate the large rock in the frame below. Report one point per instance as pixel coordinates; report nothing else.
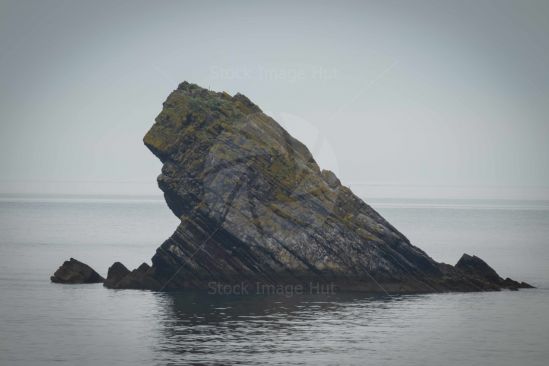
(256, 208)
(73, 271)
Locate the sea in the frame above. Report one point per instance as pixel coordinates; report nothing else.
(42, 323)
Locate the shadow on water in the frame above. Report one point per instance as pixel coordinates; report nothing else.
(197, 307)
(199, 327)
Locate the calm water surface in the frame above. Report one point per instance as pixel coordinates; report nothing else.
(43, 323)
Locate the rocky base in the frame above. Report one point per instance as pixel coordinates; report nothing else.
(469, 275)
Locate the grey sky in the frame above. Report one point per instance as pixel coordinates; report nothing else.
(448, 98)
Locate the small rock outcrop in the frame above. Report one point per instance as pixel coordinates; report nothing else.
(74, 271)
(115, 274)
(119, 277)
(484, 276)
(474, 266)
(255, 207)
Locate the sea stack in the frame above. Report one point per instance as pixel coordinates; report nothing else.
(256, 208)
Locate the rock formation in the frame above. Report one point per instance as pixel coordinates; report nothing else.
(115, 274)
(73, 271)
(120, 277)
(482, 274)
(256, 208)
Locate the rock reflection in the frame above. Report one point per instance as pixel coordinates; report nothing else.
(202, 328)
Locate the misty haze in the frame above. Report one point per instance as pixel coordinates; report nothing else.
(201, 182)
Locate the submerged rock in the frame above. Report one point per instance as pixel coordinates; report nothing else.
(255, 207)
(73, 272)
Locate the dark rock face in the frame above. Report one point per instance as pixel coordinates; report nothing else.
(73, 272)
(255, 208)
(483, 275)
(115, 274)
(475, 266)
(119, 277)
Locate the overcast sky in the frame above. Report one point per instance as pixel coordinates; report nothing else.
(421, 97)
